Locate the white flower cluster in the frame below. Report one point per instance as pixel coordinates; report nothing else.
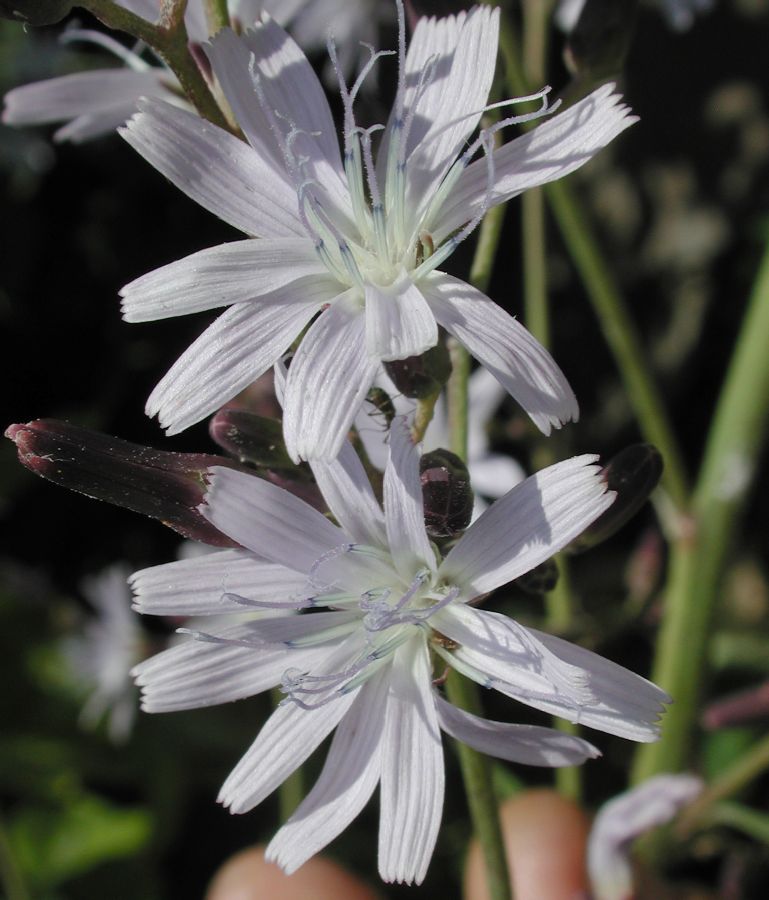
(355, 616)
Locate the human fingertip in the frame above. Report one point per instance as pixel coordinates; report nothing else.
(248, 876)
(545, 840)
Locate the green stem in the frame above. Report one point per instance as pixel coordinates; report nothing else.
(169, 39)
(424, 415)
(620, 335)
(11, 878)
(217, 15)
(457, 398)
(754, 763)
(476, 773)
(735, 439)
(606, 299)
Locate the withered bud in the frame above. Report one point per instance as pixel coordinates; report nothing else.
(250, 438)
(158, 483)
(446, 494)
(600, 40)
(421, 376)
(35, 12)
(633, 474)
(541, 579)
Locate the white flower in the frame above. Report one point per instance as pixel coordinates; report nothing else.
(620, 821)
(96, 102)
(380, 615)
(103, 655)
(343, 236)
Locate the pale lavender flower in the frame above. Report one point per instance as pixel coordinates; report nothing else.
(357, 241)
(619, 822)
(96, 102)
(102, 656)
(380, 613)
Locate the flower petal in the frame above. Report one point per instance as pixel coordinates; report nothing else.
(560, 679)
(219, 276)
(494, 475)
(215, 169)
(200, 673)
(553, 149)
(412, 769)
(289, 736)
(529, 745)
(202, 586)
(268, 520)
(503, 346)
(235, 350)
(329, 376)
(619, 822)
(82, 93)
(399, 323)
(450, 108)
(347, 491)
(348, 779)
(403, 505)
(528, 525)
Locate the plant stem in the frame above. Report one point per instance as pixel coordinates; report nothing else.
(169, 39)
(735, 439)
(11, 878)
(217, 15)
(740, 774)
(606, 299)
(476, 773)
(620, 335)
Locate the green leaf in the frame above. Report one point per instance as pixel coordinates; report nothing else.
(51, 845)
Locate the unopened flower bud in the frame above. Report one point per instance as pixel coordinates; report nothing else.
(35, 12)
(541, 579)
(446, 493)
(250, 438)
(632, 474)
(599, 42)
(157, 483)
(421, 376)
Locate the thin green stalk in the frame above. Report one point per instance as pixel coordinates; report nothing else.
(535, 300)
(620, 335)
(739, 775)
(424, 415)
(736, 436)
(217, 15)
(606, 299)
(169, 39)
(11, 878)
(476, 773)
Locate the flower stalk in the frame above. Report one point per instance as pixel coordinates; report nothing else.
(169, 39)
(699, 556)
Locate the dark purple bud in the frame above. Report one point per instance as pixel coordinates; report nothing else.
(540, 580)
(35, 12)
(421, 376)
(600, 40)
(250, 438)
(633, 474)
(446, 494)
(158, 483)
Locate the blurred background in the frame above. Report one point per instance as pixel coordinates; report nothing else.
(681, 205)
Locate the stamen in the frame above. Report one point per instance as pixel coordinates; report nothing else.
(207, 638)
(333, 553)
(291, 603)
